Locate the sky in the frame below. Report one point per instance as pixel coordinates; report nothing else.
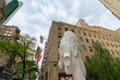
(35, 16)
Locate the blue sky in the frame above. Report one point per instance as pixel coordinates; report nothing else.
(35, 16)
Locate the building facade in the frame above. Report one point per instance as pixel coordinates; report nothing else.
(86, 35)
(113, 6)
(7, 9)
(7, 33)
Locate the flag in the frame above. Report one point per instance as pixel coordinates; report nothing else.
(38, 59)
(41, 39)
(38, 54)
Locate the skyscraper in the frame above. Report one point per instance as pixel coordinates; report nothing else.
(113, 6)
(7, 9)
(86, 35)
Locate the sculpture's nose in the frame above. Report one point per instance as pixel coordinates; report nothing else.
(67, 58)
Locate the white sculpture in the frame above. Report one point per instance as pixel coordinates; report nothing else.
(70, 56)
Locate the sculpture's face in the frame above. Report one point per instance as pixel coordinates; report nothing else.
(70, 56)
(66, 47)
(66, 54)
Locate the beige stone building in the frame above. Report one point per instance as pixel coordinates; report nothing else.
(7, 33)
(113, 6)
(86, 35)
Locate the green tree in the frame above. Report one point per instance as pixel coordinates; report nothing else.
(22, 50)
(101, 65)
(30, 71)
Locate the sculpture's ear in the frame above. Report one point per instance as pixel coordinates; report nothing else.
(75, 50)
(60, 51)
(60, 63)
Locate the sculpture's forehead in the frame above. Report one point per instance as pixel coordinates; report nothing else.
(65, 44)
(68, 33)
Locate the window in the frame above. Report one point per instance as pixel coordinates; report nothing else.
(87, 40)
(59, 28)
(1, 38)
(99, 37)
(59, 35)
(46, 75)
(73, 30)
(58, 44)
(8, 34)
(116, 52)
(94, 35)
(112, 52)
(7, 31)
(107, 44)
(116, 46)
(102, 43)
(5, 34)
(103, 37)
(54, 65)
(81, 39)
(97, 41)
(115, 40)
(78, 31)
(111, 39)
(118, 41)
(84, 33)
(84, 48)
(92, 40)
(66, 29)
(111, 44)
(90, 48)
(107, 38)
(2, 51)
(11, 32)
(119, 45)
(89, 34)
(87, 58)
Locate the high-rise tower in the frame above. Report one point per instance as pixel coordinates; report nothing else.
(7, 9)
(113, 6)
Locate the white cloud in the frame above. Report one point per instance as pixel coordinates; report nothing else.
(62, 13)
(35, 16)
(89, 18)
(109, 21)
(76, 4)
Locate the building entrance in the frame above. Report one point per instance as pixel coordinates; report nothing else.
(63, 76)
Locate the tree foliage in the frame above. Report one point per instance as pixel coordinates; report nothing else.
(101, 65)
(21, 50)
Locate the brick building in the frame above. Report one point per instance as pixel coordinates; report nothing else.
(86, 35)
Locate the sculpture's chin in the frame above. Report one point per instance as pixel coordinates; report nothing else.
(67, 61)
(68, 70)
